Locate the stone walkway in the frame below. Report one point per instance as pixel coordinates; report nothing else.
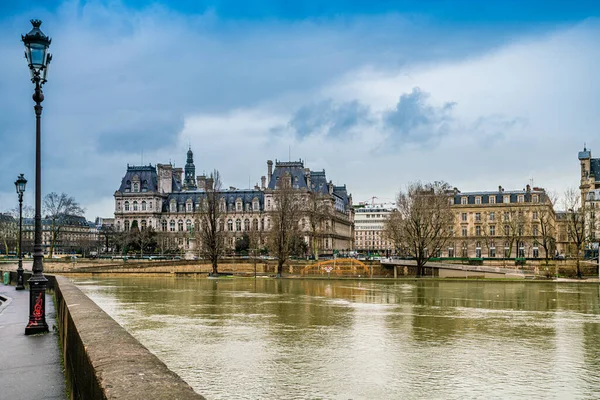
(30, 366)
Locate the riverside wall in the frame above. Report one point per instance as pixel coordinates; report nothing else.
(101, 359)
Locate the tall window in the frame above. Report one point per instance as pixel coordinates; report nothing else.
(478, 200)
(230, 225)
(238, 206)
(238, 224)
(172, 226)
(255, 224)
(136, 187)
(492, 249)
(135, 206)
(143, 206)
(463, 200)
(246, 224)
(180, 225)
(521, 198)
(144, 224)
(534, 215)
(464, 231)
(492, 216)
(126, 225)
(126, 206)
(506, 199)
(535, 198)
(492, 230)
(492, 199)
(464, 217)
(164, 225)
(506, 216)
(188, 225)
(478, 231)
(506, 230)
(477, 217)
(189, 206)
(478, 250)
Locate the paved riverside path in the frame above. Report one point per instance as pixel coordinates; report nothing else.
(30, 366)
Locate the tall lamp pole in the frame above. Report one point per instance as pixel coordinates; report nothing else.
(20, 186)
(38, 58)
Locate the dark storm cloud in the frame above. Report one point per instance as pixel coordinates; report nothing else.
(335, 119)
(415, 120)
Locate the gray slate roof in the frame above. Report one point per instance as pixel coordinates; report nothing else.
(148, 178)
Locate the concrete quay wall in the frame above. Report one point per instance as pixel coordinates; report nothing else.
(101, 359)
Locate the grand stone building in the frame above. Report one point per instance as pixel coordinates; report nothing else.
(501, 223)
(369, 225)
(167, 199)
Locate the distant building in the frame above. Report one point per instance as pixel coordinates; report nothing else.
(590, 194)
(500, 224)
(76, 235)
(167, 199)
(369, 224)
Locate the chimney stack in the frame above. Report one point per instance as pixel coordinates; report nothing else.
(209, 183)
(269, 171)
(500, 189)
(263, 179)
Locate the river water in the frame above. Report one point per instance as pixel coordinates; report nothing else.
(296, 339)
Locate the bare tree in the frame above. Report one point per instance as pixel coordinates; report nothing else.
(58, 207)
(514, 226)
(575, 223)
(210, 238)
(546, 220)
(422, 221)
(318, 211)
(289, 208)
(8, 231)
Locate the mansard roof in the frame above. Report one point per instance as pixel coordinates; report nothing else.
(295, 169)
(146, 174)
(230, 196)
(499, 196)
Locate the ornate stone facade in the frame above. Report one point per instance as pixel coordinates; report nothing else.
(165, 199)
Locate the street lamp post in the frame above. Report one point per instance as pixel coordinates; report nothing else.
(20, 186)
(38, 58)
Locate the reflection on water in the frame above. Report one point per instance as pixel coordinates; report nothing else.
(294, 339)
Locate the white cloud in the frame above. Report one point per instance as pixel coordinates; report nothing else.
(127, 82)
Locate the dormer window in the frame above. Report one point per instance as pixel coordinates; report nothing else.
(173, 206)
(463, 200)
(136, 187)
(506, 199)
(492, 199)
(521, 198)
(238, 205)
(478, 200)
(255, 205)
(535, 198)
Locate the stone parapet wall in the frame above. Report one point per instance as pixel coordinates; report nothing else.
(102, 360)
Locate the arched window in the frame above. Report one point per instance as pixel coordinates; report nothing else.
(126, 225)
(144, 224)
(255, 224)
(135, 206)
(136, 187)
(143, 206)
(221, 226)
(180, 225)
(188, 225)
(238, 224)
(172, 226)
(164, 225)
(238, 205)
(126, 206)
(246, 224)
(230, 225)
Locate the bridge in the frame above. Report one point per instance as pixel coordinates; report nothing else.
(447, 270)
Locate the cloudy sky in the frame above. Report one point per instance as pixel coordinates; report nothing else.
(377, 93)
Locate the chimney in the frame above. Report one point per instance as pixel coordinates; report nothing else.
(263, 179)
(330, 187)
(177, 174)
(269, 171)
(500, 189)
(528, 188)
(209, 183)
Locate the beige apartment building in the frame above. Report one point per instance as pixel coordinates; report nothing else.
(501, 224)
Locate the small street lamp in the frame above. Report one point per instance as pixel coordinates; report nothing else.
(20, 186)
(38, 58)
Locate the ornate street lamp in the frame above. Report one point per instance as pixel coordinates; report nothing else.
(38, 58)
(20, 186)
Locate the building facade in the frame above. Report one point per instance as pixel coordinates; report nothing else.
(74, 234)
(369, 225)
(501, 224)
(168, 200)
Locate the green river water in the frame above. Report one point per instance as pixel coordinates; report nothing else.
(319, 339)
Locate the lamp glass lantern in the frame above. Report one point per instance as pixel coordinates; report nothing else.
(36, 51)
(20, 184)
